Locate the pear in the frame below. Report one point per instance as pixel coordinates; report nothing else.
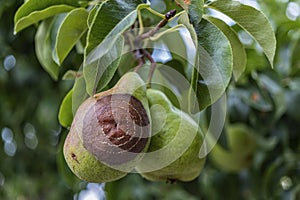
(110, 132)
(85, 165)
(173, 153)
(241, 149)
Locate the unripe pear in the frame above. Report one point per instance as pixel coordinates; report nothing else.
(84, 164)
(173, 153)
(110, 131)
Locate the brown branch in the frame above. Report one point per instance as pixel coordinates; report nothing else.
(161, 24)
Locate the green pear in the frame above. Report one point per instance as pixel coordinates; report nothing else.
(241, 148)
(85, 165)
(173, 153)
(110, 132)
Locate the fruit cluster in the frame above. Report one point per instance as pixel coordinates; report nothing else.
(130, 128)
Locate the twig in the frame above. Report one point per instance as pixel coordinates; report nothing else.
(152, 67)
(140, 53)
(141, 62)
(161, 24)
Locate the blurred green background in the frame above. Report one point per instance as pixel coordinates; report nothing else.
(265, 99)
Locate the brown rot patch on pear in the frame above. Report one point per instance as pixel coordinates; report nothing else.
(118, 129)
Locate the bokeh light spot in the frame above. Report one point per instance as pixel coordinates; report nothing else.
(286, 182)
(10, 148)
(94, 191)
(31, 141)
(2, 179)
(7, 135)
(292, 11)
(9, 62)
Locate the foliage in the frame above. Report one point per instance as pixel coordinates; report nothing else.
(75, 39)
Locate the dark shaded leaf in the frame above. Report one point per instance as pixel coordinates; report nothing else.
(102, 63)
(213, 67)
(195, 10)
(107, 17)
(238, 50)
(43, 47)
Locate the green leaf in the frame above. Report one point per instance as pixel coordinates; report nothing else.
(43, 48)
(276, 91)
(252, 21)
(193, 74)
(109, 15)
(124, 24)
(127, 62)
(70, 31)
(102, 63)
(31, 6)
(292, 98)
(256, 98)
(178, 49)
(92, 14)
(182, 4)
(71, 75)
(213, 68)
(57, 21)
(79, 93)
(184, 19)
(238, 50)
(36, 16)
(65, 115)
(196, 11)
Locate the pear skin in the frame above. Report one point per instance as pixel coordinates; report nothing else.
(176, 144)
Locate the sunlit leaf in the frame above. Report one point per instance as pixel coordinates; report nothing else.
(252, 21)
(33, 5)
(238, 50)
(65, 115)
(79, 93)
(39, 15)
(34, 10)
(57, 21)
(70, 31)
(184, 19)
(43, 48)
